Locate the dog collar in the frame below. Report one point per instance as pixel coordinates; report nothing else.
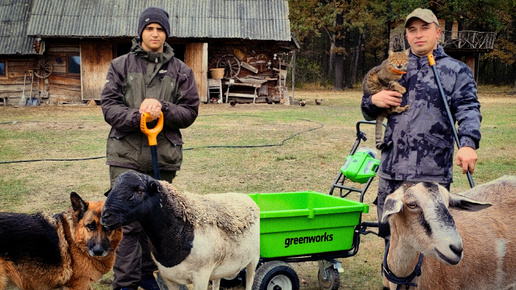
(398, 71)
(406, 281)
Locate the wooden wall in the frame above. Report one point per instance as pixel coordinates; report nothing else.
(59, 87)
(12, 86)
(62, 87)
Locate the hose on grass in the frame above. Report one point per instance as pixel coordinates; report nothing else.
(319, 126)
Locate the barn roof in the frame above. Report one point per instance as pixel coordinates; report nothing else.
(14, 16)
(240, 19)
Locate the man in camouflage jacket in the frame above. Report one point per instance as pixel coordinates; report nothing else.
(421, 144)
(151, 80)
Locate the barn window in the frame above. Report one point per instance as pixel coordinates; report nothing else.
(74, 64)
(3, 68)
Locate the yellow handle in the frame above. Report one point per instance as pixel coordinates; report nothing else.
(431, 59)
(152, 134)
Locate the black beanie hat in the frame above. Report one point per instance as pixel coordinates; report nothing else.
(153, 15)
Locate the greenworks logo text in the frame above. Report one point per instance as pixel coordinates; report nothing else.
(308, 239)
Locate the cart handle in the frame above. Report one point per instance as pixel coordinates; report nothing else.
(151, 133)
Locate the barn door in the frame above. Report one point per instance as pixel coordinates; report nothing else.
(196, 57)
(96, 55)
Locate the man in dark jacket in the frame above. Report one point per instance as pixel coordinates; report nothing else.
(421, 139)
(151, 80)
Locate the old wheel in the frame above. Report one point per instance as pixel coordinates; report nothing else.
(276, 275)
(42, 68)
(329, 278)
(231, 65)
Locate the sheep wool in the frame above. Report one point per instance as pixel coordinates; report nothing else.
(224, 211)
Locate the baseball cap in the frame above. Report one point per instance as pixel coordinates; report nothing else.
(424, 14)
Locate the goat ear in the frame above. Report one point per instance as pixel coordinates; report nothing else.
(393, 204)
(461, 202)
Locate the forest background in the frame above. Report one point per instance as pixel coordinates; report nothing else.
(341, 40)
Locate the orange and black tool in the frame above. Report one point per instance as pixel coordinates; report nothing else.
(152, 135)
(431, 60)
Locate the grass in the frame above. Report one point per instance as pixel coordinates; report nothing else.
(246, 148)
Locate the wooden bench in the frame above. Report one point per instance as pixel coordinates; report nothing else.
(253, 85)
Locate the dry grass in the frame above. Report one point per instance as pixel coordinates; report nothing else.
(297, 149)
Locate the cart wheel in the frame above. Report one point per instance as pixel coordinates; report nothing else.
(330, 279)
(231, 65)
(42, 68)
(276, 275)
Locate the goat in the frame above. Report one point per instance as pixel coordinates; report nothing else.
(483, 242)
(193, 238)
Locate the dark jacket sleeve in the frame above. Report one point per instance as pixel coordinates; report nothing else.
(466, 109)
(182, 112)
(116, 112)
(369, 110)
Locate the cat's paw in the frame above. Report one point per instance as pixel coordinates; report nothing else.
(401, 109)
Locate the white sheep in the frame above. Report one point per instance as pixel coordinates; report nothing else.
(193, 238)
(471, 250)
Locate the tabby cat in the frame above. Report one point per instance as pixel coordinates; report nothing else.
(386, 77)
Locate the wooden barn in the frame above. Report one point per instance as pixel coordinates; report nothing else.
(59, 51)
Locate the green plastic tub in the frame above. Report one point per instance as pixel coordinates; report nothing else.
(304, 223)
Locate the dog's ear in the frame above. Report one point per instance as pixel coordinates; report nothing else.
(78, 204)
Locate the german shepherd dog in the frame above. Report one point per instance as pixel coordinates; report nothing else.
(69, 249)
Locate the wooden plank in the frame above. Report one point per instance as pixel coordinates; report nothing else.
(249, 67)
(62, 80)
(13, 89)
(196, 57)
(95, 60)
(243, 84)
(241, 95)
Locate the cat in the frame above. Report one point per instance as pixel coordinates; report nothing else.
(385, 77)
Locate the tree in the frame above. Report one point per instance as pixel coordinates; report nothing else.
(342, 40)
(344, 25)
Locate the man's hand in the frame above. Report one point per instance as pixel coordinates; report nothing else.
(466, 158)
(151, 106)
(386, 99)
